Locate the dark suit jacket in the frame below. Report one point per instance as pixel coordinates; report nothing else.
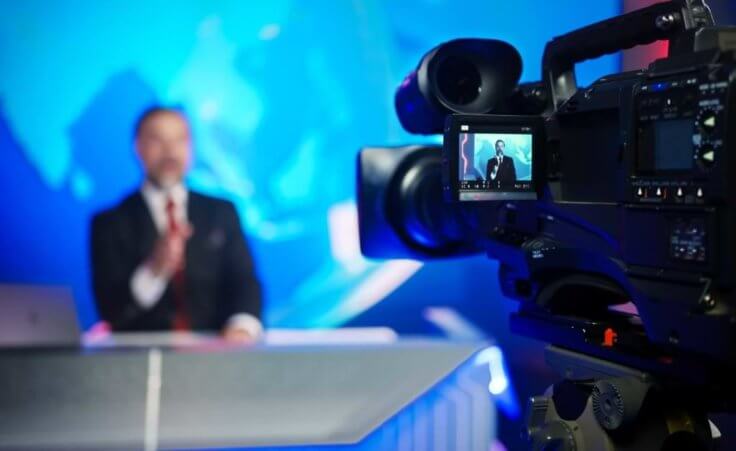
(220, 277)
(506, 173)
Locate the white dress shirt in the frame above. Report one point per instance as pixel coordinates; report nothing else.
(494, 173)
(148, 287)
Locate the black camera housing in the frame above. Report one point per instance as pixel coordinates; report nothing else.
(630, 233)
(638, 206)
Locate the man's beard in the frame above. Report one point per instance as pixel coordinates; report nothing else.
(165, 182)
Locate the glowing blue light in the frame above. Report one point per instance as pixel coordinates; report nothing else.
(278, 112)
(500, 385)
(493, 357)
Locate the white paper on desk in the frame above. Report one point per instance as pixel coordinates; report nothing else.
(150, 339)
(347, 335)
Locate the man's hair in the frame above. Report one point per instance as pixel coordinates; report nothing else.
(152, 111)
(500, 141)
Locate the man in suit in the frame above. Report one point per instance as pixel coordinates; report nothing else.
(501, 168)
(168, 258)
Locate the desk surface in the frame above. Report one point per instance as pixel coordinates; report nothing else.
(272, 337)
(208, 395)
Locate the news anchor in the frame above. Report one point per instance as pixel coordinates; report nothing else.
(501, 168)
(167, 257)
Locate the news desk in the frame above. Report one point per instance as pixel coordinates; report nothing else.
(134, 393)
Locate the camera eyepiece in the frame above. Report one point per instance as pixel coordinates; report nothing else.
(459, 81)
(469, 76)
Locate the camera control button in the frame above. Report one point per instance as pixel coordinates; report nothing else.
(707, 155)
(708, 120)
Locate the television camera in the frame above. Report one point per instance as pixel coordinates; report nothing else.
(610, 208)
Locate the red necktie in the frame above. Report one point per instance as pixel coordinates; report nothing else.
(181, 316)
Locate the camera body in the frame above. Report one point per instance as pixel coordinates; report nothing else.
(630, 197)
(612, 211)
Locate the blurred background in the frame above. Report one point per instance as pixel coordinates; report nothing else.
(281, 95)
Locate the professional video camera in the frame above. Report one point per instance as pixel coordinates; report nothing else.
(611, 209)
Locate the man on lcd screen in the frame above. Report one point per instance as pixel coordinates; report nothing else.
(501, 167)
(167, 257)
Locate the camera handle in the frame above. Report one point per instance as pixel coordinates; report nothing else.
(674, 20)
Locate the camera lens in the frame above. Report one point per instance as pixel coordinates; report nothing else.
(459, 80)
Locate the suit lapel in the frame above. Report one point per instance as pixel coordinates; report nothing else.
(197, 215)
(145, 228)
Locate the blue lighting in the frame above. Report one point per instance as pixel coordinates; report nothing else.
(282, 94)
(499, 382)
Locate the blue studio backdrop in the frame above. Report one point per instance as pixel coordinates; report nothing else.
(281, 95)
